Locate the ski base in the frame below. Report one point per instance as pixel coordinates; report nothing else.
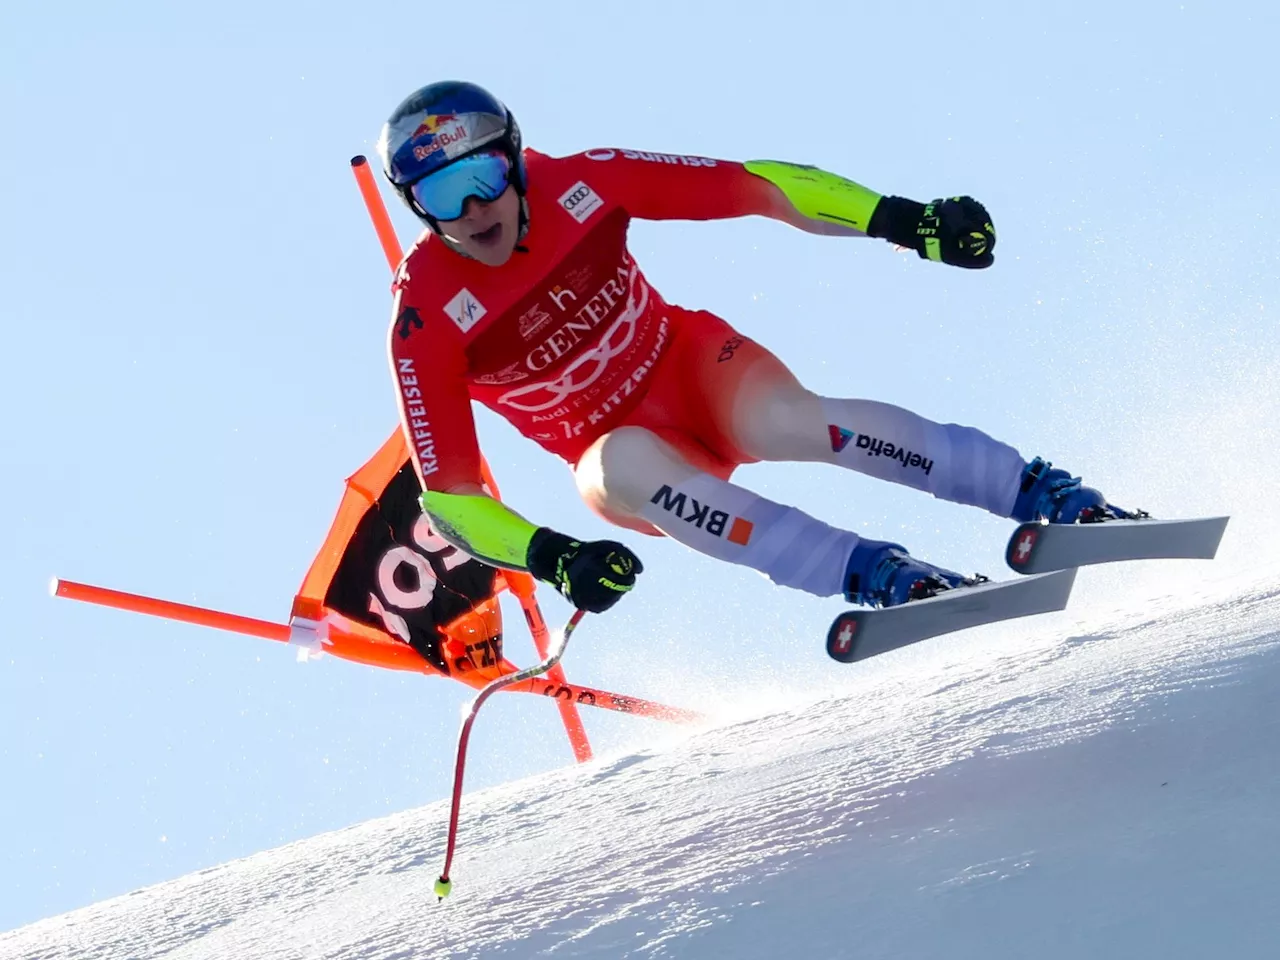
(859, 634)
(1041, 547)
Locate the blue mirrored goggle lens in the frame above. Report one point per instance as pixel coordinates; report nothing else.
(444, 194)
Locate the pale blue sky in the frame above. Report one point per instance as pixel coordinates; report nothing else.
(194, 307)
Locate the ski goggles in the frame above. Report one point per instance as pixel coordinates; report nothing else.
(443, 195)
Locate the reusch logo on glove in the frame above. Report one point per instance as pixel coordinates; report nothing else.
(703, 517)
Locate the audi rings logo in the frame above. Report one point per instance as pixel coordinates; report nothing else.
(591, 366)
(601, 154)
(580, 201)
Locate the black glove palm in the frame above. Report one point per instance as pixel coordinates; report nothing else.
(956, 230)
(593, 576)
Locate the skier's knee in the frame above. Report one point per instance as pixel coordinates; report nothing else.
(778, 424)
(620, 471)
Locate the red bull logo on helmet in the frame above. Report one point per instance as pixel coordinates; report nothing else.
(432, 123)
(442, 131)
(433, 138)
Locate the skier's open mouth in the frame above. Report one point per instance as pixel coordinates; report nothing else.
(489, 237)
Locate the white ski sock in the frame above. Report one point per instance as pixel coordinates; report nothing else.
(634, 473)
(951, 462)
(731, 523)
(955, 463)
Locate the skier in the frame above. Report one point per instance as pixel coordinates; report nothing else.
(522, 294)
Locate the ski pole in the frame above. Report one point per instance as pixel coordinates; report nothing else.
(444, 885)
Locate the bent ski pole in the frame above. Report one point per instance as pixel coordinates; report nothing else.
(444, 885)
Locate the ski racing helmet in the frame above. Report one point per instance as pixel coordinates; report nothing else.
(435, 128)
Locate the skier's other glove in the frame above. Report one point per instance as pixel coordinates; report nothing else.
(956, 230)
(593, 576)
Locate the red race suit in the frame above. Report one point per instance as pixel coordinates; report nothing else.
(565, 340)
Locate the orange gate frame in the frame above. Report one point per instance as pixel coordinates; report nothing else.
(320, 630)
(359, 644)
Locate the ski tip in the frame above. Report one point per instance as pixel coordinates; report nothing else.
(1037, 546)
(1021, 551)
(1220, 526)
(842, 638)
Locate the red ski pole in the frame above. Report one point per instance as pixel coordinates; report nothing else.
(444, 885)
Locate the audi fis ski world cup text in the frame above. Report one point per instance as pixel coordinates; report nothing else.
(625, 389)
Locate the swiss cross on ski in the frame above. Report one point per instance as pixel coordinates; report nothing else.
(845, 630)
(1023, 542)
(523, 295)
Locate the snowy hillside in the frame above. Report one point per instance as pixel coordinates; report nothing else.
(1107, 791)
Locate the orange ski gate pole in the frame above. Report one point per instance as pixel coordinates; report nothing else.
(350, 645)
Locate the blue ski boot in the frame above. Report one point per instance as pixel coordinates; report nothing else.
(1049, 493)
(884, 575)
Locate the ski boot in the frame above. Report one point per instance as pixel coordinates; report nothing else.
(1052, 494)
(884, 575)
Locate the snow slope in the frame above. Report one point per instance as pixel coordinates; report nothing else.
(1106, 791)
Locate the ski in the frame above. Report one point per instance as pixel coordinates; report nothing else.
(1041, 547)
(859, 634)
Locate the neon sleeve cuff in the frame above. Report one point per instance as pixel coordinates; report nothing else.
(481, 527)
(819, 195)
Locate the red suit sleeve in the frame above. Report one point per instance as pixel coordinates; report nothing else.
(660, 186)
(429, 367)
